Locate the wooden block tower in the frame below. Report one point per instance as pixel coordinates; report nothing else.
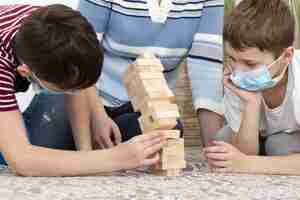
(149, 93)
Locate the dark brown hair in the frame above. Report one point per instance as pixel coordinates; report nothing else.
(265, 24)
(60, 46)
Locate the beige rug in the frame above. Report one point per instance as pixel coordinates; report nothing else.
(196, 184)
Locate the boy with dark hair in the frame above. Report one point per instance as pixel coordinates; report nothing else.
(56, 50)
(261, 80)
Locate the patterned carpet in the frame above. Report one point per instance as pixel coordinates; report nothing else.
(195, 184)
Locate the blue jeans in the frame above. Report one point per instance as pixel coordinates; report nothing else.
(48, 125)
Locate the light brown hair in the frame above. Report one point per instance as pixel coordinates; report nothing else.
(265, 24)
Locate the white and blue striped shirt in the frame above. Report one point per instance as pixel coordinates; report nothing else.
(192, 30)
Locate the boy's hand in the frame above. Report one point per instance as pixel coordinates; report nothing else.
(224, 157)
(106, 133)
(246, 96)
(142, 150)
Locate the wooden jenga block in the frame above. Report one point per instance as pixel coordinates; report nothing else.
(142, 124)
(159, 111)
(150, 94)
(172, 155)
(147, 66)
(148, 124)
(133, 73)
(148, 61)
(141, 98)
(158, 115)
(171, 159)
(141, 91)
(161, 103)
(171, 134)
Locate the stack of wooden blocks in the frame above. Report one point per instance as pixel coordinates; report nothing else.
(150, 94)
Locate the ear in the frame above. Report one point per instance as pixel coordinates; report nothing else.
(289, 54)
(24, 70)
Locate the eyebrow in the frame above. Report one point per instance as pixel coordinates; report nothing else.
(243, 60)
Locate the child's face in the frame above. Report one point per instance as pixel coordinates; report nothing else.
(253, 58)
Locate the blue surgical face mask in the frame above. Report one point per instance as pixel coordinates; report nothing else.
(258, 79)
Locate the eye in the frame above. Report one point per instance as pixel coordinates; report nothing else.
(251, 64)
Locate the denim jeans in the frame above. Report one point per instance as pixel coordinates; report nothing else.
(48, 125)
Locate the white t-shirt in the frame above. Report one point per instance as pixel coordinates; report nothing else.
(286, 116)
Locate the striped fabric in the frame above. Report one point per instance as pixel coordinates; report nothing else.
(10, 19)
(193, 30)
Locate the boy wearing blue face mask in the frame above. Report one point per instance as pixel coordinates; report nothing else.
(261, 92)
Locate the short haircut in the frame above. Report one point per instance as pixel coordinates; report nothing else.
(60, 46)
(264, 24)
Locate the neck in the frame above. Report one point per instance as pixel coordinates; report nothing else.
(274, 97)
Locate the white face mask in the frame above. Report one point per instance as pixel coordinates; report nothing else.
(258, 79)
(38, 87)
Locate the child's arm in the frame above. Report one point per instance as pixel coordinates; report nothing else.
(90, 122)
(247, 138)
(226, 158)
(79, 114)
(283, 165)
(28, 160)
(105, 131)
